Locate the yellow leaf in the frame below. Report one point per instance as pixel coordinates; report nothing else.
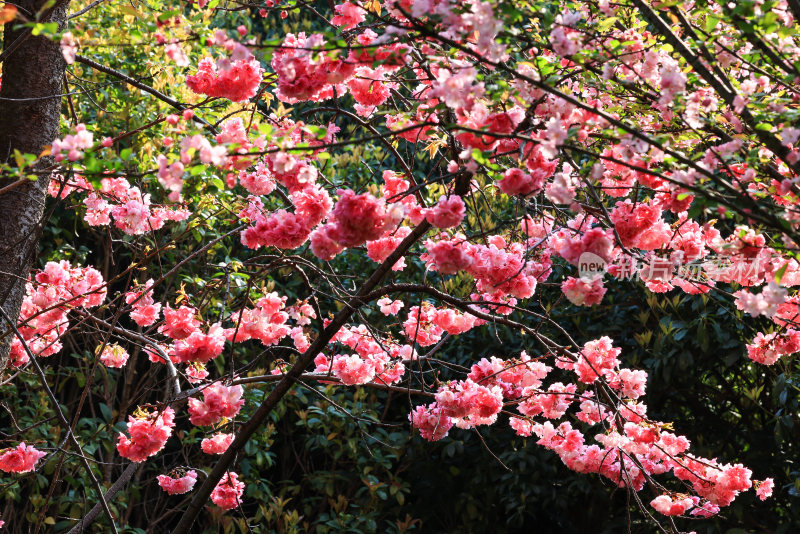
(434, 147)
(374, 6)
(18, 158)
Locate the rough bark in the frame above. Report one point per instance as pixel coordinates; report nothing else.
(30, 105)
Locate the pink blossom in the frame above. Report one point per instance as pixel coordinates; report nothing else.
(237, 81)
(323, 245)
(596, 357)
(431, 421)
(765, 303)
(521, 426)
(281, 229)
(632, 383)
(516, 182)
(199, 347)
(448, 256)
(582, 292)
(553, 404)
(572, 245)
(196, 372)
(359, 218)
(73, 145)
(562, 189)
(228, 491)
(632, 221)
(467, 400)
(368, 88)
(668, 505)
(458, 87)
(114, 356)
(145, 310)
(381, 248)
(566, 41)
(447, 213)
(348, 16)
(454, 322)
(179, 485)
(767, 349)
(149, 433)
(67, 186)
(180, 323)
(69, 47)
(21, 459)
(503, 268)
(176, 54)
(421, 327)
(764, 489)
(217, 444)
(352, 370)
(304, 74)
(266, 322)
(312, 204)
(673, 80)
(389, 306)
(258, 182)
(218, 401)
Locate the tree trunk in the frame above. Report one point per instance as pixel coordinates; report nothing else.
(30, 106)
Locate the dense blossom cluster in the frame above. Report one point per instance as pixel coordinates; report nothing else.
(631, 449)
(236, 77)
(72, 146)
(218, 401)
(50, 295)
(216, 444)
(145, 310)
(20, 459)
(149, 432)
(178, 485)
(131, 211)
(228, 492)
(532, 183)
(114, 356)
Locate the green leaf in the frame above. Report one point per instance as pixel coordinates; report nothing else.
(711, 23)
(106, 411)
(779, 274)
(165, 16)
(216, 182)
(48, 29)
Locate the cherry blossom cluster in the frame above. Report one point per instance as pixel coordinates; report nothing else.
(627, 210)
(309, 70)
(179, 484)
(20, 459)
(72, 146)
(131, 211)
(235, 77)
(218, 402)
(149, 432)
(374, 359)
(50, 295)
(631, 450)
(228, 492)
